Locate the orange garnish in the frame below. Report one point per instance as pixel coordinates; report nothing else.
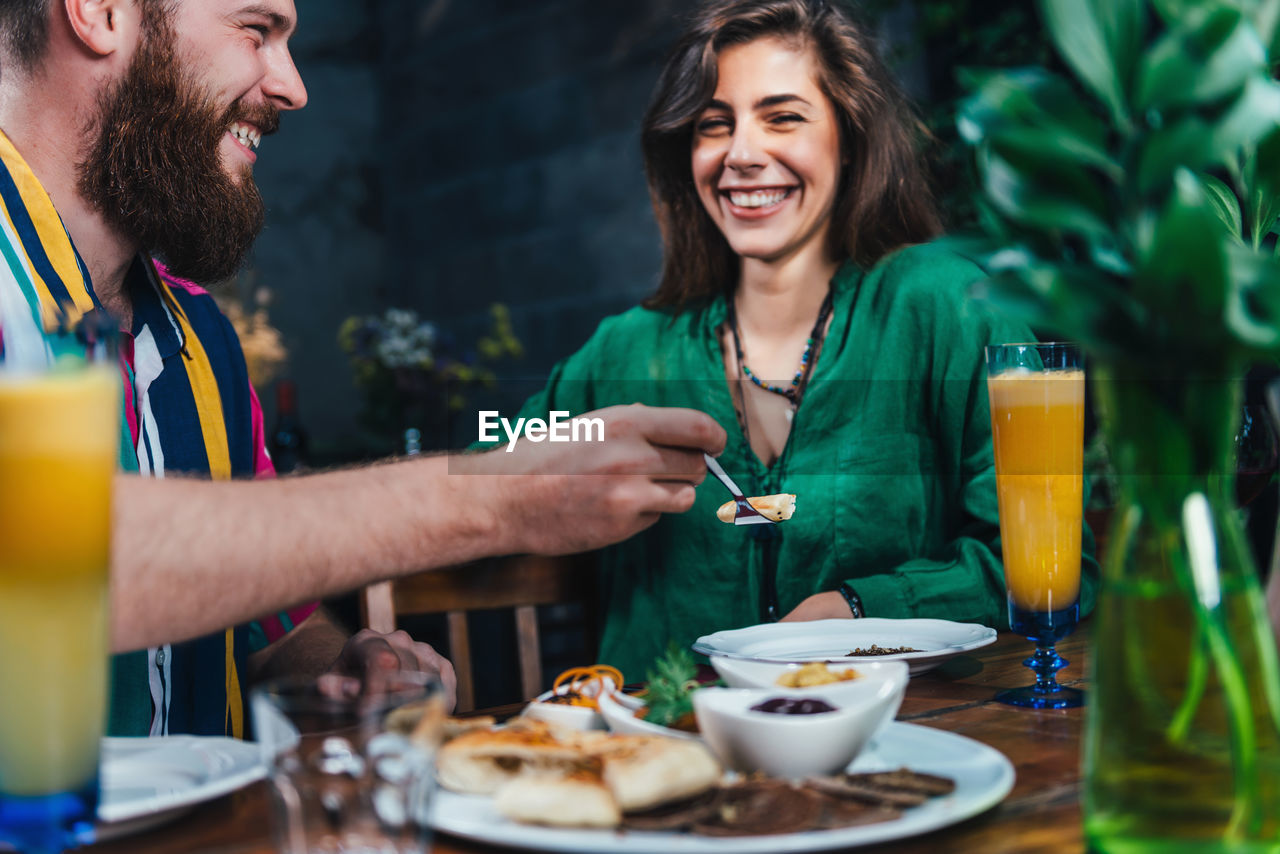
(577, 680)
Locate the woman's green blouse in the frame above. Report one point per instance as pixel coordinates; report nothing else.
(889, 457)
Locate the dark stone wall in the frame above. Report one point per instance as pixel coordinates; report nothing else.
(511, 136)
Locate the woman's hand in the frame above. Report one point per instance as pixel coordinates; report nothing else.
(820, 606)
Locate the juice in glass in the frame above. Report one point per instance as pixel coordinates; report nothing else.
(59, 446)
(1037, 425)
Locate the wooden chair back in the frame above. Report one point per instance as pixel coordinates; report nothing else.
(522, 582)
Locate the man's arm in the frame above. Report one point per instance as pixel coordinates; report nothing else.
(191, 557)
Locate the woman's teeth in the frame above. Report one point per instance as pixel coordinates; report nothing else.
(247, 136)
(757, 198)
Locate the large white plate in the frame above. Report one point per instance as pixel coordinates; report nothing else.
(983, 777)
(146, 781)
(831, 640)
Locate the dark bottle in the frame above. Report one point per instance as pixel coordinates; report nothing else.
(288, 440)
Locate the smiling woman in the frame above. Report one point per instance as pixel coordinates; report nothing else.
(799, 308)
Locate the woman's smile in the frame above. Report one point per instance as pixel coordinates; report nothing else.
(755, 203)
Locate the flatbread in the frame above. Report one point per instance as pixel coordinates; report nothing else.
(479, 762)
(647, 771)
(778, 507)
(571, 778)
(579, 799)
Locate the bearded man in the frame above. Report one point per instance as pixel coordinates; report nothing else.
(130, 130)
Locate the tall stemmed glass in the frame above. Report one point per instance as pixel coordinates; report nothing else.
(1037, 425)
(59, 448)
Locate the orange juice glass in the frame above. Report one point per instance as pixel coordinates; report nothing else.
(59, 448)
(1037, 427)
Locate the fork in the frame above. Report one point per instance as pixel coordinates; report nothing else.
(745, 514)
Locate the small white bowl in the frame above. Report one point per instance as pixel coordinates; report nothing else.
(738, 673)
(797, 746)
(619, 712)
(563, 714)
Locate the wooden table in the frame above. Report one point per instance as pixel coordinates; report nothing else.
(1041, 814)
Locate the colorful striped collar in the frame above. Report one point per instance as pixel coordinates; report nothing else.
(45, 262)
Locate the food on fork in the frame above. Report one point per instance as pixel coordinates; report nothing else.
(778, 507)
(815, 673)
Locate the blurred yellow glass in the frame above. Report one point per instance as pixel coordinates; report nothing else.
(59, 447)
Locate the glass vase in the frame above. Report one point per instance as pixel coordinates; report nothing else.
(1182, 742)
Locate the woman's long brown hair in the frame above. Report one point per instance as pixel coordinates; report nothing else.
(883, 200)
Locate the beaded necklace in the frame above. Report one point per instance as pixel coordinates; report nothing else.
(795, 391)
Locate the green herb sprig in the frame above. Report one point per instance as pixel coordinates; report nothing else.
(672, 681)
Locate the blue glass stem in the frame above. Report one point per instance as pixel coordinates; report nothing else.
(1046, 663)
(1044, 629)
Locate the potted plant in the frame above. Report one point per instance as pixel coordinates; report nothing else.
(1130, 205)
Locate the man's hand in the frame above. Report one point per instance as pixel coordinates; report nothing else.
(368, 653)
(820, 606)
(574, 496)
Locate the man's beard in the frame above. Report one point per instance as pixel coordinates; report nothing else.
(154, 170)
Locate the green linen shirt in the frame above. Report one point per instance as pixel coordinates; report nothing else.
(889, 455)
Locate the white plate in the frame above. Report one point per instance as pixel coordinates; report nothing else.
(831, 640)
(983, 777)
(619, 712)
(146, 781)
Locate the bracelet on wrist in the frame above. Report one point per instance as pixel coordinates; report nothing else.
(853, 600)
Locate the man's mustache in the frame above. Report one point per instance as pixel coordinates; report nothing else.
(264, 117)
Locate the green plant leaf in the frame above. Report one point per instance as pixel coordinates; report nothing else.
(1084, 32)
(1042, 193)
(1068, 300)
(1187, 143)
(1195, 64)
(1222, 200)
(1183, 276)
(1265, 15)
(1253, 116)
(1125, 25)
(1252, 311)
(1262, 168)
(1034, 110)
(1197, 142)
(1174, 12)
